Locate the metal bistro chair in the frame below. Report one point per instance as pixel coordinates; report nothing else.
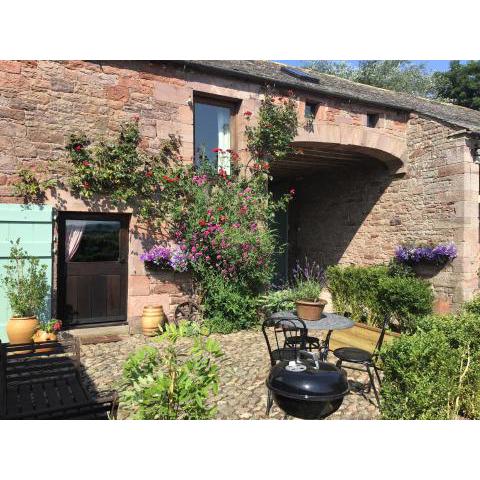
(283, 349)
(363, 357)
(307, 342)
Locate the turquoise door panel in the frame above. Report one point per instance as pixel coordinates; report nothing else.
(33, 225)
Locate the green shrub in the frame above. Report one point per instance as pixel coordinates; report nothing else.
(25, 282)
(434, 373)
(228, 306)
(278, 300)
(369, 293)
(354, 291)
(157, 385)
(404, 299)
(472, 306)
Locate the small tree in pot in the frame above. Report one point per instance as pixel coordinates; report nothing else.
(26, 286)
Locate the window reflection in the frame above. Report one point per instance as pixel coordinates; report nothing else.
(212, 131)
(92, 241)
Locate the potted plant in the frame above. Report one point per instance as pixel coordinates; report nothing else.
(165, 258)
(26, 286)
(426, 260)
(47, 332)
(307, 300)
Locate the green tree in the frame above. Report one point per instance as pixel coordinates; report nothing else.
(460, 84)
(398, 75)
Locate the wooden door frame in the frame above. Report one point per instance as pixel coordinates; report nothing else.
(62, 216)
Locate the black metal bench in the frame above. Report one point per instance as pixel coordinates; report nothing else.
(43, 381)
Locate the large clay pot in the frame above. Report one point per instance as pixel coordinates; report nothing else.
(310, 311)
(42, 336)
(153, 317)
(21, 329)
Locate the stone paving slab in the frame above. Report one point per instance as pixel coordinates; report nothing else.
(244, 369)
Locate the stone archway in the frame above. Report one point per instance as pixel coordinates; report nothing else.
(342, 175)
(375, 143)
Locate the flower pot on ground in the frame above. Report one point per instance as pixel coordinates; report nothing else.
(310, 310)
(26, 286)
(47, 332)
(21, 329)
(153, 317)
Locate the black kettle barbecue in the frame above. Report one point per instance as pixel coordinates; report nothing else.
(304, 390)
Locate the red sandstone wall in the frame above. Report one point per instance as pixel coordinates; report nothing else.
(42, 102)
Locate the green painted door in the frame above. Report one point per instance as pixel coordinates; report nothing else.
(33, 225)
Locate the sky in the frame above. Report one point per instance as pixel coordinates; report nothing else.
(432, 65)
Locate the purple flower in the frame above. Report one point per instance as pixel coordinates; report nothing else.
(439, 254)
(199, 179)
(165, 257)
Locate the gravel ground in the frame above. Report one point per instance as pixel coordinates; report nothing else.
(244, 368)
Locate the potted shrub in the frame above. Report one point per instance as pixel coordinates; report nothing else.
(307, 300)
(26, 286)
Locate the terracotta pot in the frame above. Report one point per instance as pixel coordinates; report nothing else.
(310, 311)
(42, 336)
(153, 317)
(21, 329)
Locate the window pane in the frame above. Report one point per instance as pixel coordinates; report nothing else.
(92, 241)
(212, 130)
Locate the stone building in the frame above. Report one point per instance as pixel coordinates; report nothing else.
(373, 168)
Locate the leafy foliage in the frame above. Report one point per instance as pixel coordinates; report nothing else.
(434, 373)
(370, 293)
(25, 282)
(30, 187)
(277, 126)
(460, 84)
(398, 75)
(354, 290)
(404, 299)
(472, 306)
(228, 306)
(159, 386)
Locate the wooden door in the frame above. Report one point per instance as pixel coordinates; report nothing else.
(93, 268)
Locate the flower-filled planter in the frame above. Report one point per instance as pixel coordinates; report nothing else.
(47, 332)
(165, 258)
(428, 260)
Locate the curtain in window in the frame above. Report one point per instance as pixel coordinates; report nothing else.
(73, 235)
(223, 118)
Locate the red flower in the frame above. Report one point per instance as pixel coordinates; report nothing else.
(219, 209)
(216, 150)
(78, 148)
(247, 113)
(57, 325)
(86, 164)
(222, 173)
(148, 173)
(86, 185)
(266, 166)
(292, 192)
(202, 223)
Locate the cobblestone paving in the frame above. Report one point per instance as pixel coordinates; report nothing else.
(244, 368)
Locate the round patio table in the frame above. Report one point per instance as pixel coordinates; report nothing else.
(328, 322)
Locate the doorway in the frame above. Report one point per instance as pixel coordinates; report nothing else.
(92, 268)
